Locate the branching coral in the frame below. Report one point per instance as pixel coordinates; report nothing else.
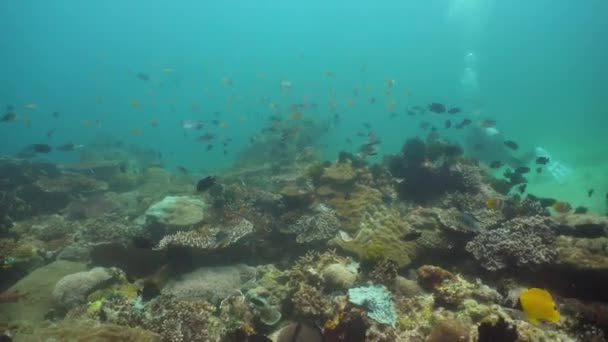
(209, 238)
(521, 242)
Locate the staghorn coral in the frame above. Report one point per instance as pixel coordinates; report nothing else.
(209, 238)
(521, 242)
(322, 224)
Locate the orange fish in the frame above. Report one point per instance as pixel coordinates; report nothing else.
(494, 203)
(134, 103)
(562, 207)
(296, 115)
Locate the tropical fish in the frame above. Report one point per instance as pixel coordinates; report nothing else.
(522, 170)
(436, 108)
(496, 164)
(31, 106)
(68, 147)
(542, 160)
(511, 144)
(9, 117)
(581, 210)
(192, 124)
(538, 305)
(487, 123)
(495, 203)
(40, 148)
(205, 183)
(590, 192)
(562, 207)
(143, 76)
(454, 110)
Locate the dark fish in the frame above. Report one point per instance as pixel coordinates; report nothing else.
(590, 192)
(511, 144)
(209, 147)
(143, 76)
(424, 125)
(436, 108)
(522, 170)
(50, 133)
(542, 160)
(454, 110)
(56, 115)
(143, 242)
(206, 137)
(411, 112)
(547, 202)
(467, 221)
(367, 125)
(40, 148)
(487, 123)
(522, 188)
(205, 183)
(372, 100)
(67, 147)
(182, 170)
(9, 117)
(448, 124)
(215, 122)
(539, 169)
(496, 164)
(466, 122)
(410, 236)
(581, 210)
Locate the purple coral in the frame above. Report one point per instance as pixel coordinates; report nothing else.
(521, 242)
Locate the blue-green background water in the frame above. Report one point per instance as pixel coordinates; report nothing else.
(540, 65)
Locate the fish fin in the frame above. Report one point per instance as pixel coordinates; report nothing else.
(533, 320)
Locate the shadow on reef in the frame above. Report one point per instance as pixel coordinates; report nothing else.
(429, 169)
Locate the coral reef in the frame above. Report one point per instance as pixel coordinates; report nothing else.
(321, 224)
(338, 276)
(520, 242)
(429, 169)
(73, 289)
(209, 238)
(175, 212)
(378, 302)
(380, 237)
(210, 283)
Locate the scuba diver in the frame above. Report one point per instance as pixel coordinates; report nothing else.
(487, 144)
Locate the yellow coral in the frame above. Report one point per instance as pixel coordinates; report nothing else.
(380, 237)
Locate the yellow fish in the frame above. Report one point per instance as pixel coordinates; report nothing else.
(562, 207)
(31, 106)
(538, 304)
(494, 203)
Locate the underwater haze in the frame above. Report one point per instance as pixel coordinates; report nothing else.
(318, 171)
(538, 68)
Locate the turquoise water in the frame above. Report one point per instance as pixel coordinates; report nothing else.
(537, 67)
